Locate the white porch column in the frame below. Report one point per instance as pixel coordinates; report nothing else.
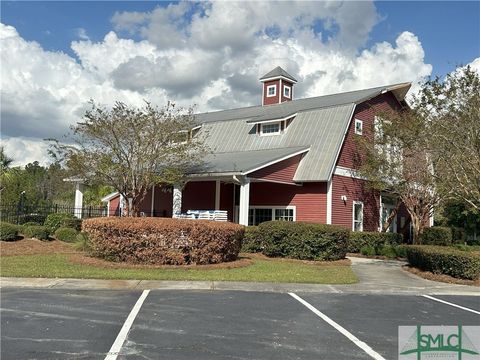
(329, 201)
(78, 199)
(244, 203)
(177, 200)
(217, 195)
(152, 208)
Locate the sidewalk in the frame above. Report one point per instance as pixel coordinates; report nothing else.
(375, 277)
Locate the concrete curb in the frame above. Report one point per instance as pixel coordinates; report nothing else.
(95, 284)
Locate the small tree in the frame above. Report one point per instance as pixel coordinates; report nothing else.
(397, 161)
(133, 149)
(452, 107)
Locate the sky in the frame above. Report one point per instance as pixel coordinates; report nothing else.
(55, 56)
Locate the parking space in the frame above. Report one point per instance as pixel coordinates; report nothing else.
(61, 324)
(374, 319)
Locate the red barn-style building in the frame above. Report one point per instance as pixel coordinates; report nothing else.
(287, 160)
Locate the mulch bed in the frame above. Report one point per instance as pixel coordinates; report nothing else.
(378, 257)
(440, 277)
(38, 247)
(83, 259)
(343, 262)
(34, 247)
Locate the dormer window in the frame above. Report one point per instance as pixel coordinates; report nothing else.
(270, 129)
(286, 91)
(271, 90)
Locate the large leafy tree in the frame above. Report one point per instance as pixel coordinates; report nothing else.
(397, 162)
(452, 108)
(132, 149)
(429, 152)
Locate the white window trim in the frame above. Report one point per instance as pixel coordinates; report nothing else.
(285, 87)
(358, 121)
(353, 214)
(273, 208)
(274, 90)
(271, 133)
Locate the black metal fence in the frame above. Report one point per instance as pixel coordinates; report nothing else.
(22, 214)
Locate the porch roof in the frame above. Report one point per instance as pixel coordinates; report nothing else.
(244, 162)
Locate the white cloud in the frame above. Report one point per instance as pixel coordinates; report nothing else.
(209, 54)
(82, 34)
(26, 150)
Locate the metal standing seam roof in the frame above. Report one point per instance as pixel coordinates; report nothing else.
(242, 162)
(278, 71)
(320, 125)
(277, 111)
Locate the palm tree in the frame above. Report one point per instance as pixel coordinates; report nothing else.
(5, 160)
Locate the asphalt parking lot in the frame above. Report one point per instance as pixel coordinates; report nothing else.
(169, 324)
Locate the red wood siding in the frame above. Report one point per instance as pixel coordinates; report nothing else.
(198, 195)
(114, 206)
(163, 201)
(349, 155)
(282, 171)
(273, 99)
(226, 199)
(310, 199)
(354, 190)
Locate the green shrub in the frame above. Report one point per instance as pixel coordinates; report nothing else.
(252, 240)
(56, 221)
(81, 242)
(149, 240)
(458, 235)
(436, 235)
(36, 219)
(66, 234)
(378, 240)
(36, 231)
(8, 232)
(305, 241)
(401, 251)
(388, 251)
(445, 260)
(368, 250)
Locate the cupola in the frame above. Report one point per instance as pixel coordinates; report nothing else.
(277, 86)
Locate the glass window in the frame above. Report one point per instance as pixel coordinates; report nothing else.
(257, 216)
(358, 216)
(271, 90)
(270, 128)
(358, 127)
(286, 91)
(284, 214)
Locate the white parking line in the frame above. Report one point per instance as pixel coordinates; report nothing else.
(340, 328)
(451, 304)
(122, 335)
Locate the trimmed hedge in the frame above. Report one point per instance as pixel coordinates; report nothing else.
(458, 235)
(163, 240)
(66, 234)
(8, 232)
(436, 235)
(36, 231)
(377, 240)
(445, 260)
(252, 240)
(305, 241)
(59, 220)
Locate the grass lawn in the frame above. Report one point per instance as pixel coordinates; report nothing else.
(262, 270)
